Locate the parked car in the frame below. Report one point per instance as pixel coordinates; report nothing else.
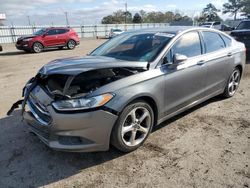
(115, 32)
(214, 25)
(1, 48)
(128, 85)
(48, 38)
(225, 27)
(242, 33)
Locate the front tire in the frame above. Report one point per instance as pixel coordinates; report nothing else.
(71, 44)
(133, 126)
(233, 83)
(37, 47)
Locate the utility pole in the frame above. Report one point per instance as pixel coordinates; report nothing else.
(66, 17)
(126, 10)
(29, 20)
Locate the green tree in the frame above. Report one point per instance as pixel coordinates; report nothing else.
(143, 14)
(233, 7)
(246, 8)
(177, 17)
(108, 19)
(118, 17)
(169, 16)
(210, 12)
(155, 17)
(137, 18)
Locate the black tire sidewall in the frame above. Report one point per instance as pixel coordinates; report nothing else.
(68, 44)
(116, 137)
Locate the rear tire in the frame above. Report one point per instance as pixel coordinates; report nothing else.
(133, 126)
(37, 47)
(232, 83)
(71, 44)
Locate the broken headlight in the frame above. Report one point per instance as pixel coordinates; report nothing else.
(82, 103)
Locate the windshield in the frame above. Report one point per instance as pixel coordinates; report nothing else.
(134, 47)
(244, 25)
(40, 32)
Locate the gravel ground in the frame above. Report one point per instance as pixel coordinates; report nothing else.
(207, 146)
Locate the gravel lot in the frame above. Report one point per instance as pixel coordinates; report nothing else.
(208, 146)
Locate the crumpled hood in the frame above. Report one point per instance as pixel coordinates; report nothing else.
(77, 65)
(26, 37)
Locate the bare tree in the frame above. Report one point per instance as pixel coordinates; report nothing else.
(233, 7)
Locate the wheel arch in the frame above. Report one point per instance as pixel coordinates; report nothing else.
(239, 66)
(71, 39)
(148, 99)
(37, 41)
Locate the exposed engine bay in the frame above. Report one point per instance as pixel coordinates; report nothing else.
(83, 83)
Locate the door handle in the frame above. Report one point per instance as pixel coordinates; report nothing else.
(201, 62)
(229, 54)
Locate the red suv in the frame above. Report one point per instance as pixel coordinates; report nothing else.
(48, 38)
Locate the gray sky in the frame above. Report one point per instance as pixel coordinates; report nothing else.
(43, 12)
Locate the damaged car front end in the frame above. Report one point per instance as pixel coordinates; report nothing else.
(60, 108)
(127, 85)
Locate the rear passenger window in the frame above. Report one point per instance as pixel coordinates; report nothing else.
(213, 41)
(62, 31)
(227, 40)
(52, 32)
(189, 45)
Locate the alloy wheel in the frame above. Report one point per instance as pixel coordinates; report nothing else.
(37, 47)
(234, 82)
(71, 44)
(136, 126)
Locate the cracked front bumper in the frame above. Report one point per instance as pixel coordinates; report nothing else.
(76, 132)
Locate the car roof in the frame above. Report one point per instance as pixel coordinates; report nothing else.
(167, 29)
(58, 28)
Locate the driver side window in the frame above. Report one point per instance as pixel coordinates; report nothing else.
(189, 45)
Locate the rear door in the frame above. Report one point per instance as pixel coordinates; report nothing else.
(218, 60)
(184, 84)
(62, 36)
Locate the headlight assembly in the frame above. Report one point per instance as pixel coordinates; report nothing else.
(82, 103)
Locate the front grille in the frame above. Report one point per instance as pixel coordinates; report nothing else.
(19, 42)
(38, 110)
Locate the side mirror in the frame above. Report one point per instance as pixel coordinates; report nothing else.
(44, 35)
(179, 59)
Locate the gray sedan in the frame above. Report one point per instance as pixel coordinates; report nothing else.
(129, 84)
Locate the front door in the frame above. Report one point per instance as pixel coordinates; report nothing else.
(51, 38)
(185, 82)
